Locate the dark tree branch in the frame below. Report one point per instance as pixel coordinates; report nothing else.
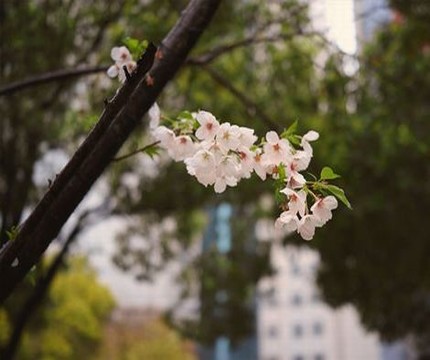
(50, 77)
(250, 106)
(208, 57)
(202, 59)
(117, 122)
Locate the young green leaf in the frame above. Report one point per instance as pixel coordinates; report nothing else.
(186, 115)
(294, 139)
(12, 233)
(338, 192)
(135, 46)
(152, 151)
(328, 174)
(291, 130)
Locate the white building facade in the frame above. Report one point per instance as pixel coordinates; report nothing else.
(294, 324)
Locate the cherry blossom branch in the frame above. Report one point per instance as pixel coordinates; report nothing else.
(137, 151)
(122, 114)
(250, 106)
(48, 77)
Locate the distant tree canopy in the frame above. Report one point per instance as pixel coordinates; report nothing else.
(151, 340)
(71, 321)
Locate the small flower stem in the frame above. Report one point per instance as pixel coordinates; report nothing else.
(166, 118)
(309, 191)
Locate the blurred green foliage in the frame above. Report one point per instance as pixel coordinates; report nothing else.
(4, 327)
(149, 340)
(70, 323)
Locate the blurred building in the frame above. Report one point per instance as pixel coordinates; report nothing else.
(218, 234)
(293, 322)
(369, 16)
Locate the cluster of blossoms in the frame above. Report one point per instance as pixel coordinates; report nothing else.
(221, 154)
(122, 57)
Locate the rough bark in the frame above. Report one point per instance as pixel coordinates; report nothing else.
(118, 120)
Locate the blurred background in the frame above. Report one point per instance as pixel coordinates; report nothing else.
(153, 265)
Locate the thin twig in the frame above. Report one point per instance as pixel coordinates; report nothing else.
(250, 106)
(206, 58)
(49, 77)
(142, 149)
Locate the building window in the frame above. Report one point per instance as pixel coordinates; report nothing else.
(317, 328)
(319, 357)
(272, 300)
(298, 357)
(298, 330)
(295, 269)
(273, 332)
(316, 298)
(297, 300)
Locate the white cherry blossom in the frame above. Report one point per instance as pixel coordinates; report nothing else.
(246, 160)
(228, 166)
(307, 148)
(154, 114)
(246, 137)
(297, 201)
(306, 226)
(120, 54)
(310, 136)
(227, 136)
(222, 182)
(287, 220)
(323, 207)
(260, 169)
(182, 148)
(202, 166)
(209, 125)
(113, 71)
(276, 150)
(165, 136)
(122, 57)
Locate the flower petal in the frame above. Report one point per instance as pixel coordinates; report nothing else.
(113, 71)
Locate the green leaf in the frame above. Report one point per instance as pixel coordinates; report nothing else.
(135, 46)
(152, 151)
(131, 43)
(31, 276)
(294, 139)
(338, 192)
(186, 115)
(12, 233)
(328, 174)
(291, 130)
(281, 172)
